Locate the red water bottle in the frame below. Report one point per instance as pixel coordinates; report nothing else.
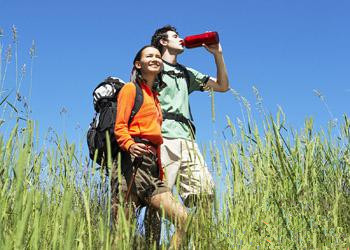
(195, 41)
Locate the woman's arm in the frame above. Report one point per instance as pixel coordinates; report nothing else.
(125, 103)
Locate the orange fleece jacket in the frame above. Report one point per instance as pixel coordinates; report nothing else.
(146, 123)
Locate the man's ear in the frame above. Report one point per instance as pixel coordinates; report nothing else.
(138, 64)
(163, 42)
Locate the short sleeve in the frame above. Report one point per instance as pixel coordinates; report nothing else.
(197, 80)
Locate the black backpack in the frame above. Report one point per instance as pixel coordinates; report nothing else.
(105, 104)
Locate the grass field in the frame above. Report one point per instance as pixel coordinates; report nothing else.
(279, 192)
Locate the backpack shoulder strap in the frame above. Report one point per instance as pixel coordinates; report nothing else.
(187, 75)
(188, 79)
(138, 102)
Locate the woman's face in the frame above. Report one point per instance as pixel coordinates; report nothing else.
(150, 61)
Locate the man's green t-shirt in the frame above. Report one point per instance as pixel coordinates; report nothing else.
(174, 98)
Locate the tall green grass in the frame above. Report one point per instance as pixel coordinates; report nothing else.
(279, 192)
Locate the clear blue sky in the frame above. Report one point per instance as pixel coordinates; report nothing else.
(284, 48)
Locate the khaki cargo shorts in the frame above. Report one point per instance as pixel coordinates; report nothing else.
(183, 162)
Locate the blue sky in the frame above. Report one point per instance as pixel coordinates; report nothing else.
(286, 49)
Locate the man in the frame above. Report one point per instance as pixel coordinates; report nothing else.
(180, 154)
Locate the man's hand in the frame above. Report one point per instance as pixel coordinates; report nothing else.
(138, 149)
(220, 84)
(215, 49)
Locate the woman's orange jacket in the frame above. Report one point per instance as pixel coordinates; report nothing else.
(147, 122)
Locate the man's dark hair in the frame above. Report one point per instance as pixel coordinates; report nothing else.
(161, 34)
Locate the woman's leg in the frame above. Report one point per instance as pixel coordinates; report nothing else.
(120, 188)
(153, 225)
(175, 211)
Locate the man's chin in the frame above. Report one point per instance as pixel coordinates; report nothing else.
(176, 51)
(181, 50)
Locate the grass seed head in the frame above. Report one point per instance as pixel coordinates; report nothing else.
(14, 33)
(9, 53)
(32, 50)
(259, 99)
(236, 94)
(319, 94)
(246, 103)
(23, 70)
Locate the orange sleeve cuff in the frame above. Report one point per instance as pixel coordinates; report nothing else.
(128, 144)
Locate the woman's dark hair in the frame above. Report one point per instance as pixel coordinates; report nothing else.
(139, 53)
(136, 75)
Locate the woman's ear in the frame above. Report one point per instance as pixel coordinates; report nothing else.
(138, 64)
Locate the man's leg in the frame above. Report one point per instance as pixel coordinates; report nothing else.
(196, 183)
(171, 160)
(174, 211)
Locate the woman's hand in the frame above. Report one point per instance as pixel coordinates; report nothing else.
(138, 149)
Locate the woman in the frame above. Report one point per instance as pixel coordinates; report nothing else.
(140, 140)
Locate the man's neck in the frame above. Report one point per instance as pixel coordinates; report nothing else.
(169, 58)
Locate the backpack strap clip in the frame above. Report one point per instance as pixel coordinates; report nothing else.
(180, 118)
